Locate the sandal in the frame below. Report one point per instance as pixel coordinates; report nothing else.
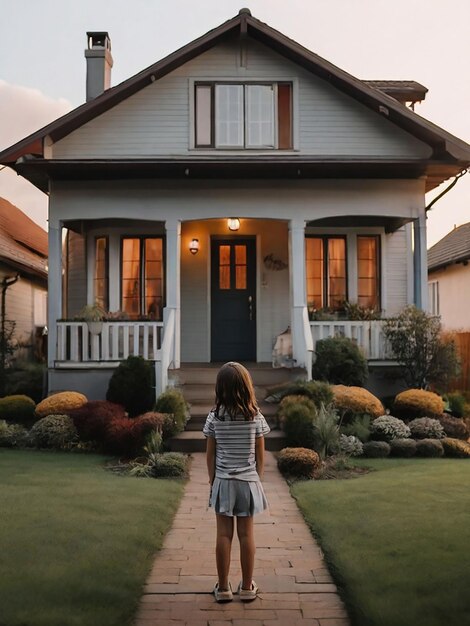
(223, 595)
(247, 595)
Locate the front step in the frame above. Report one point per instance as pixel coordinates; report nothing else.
(197, 381)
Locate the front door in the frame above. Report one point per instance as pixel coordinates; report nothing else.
(233, 308)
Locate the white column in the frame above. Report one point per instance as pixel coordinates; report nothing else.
(173, 280)
(420, 262)
(54, 298)
(298, 295)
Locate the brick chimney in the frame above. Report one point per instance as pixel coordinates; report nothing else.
(98, 64)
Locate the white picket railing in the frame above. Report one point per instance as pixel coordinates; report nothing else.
(368, 335)
(115, 341)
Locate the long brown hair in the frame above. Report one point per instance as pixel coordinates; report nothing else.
(234, 391)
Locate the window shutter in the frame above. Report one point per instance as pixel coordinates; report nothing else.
(260, 116)
(229, 116)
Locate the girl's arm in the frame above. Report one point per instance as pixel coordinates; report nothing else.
(259, 456)
(210, 458)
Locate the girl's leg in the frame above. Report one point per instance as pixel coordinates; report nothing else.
(223, 548)
(246, 536)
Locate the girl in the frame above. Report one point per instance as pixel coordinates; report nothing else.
(235, 432)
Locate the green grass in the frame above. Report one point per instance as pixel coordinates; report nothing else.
(397, 540)
(76, 542)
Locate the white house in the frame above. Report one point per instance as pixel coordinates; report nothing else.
(449, 279)
(224, 193)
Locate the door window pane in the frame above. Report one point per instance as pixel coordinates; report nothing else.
(101, 272)
(240, 267)
(229, 115)
(368, 283)
(224, 267)
(260, 116)
(203, 115)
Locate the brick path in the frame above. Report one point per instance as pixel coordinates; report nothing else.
(295, 587)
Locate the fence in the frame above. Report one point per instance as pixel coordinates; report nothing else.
(462, 341)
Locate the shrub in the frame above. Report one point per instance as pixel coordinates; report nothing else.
(60, 403)
(456, 448)
(172, 402)
(353, 400)
(418, 403)
(454, 427)
(359, 427)
(426, 428)
(403, 447)
(339, 361)
(119, 437)
(54, 431)
(169, 465)
(92, 418)
(429, 448)
(327, 431)
(27, 379)
(376, 449)
(351, 446)
(288, 401)
(317, 390)
(18, 409)
(13, 435)
(456, 404)
(298, 462)
(387, 427)
(425, 356)
(132, 386)
(299, 427)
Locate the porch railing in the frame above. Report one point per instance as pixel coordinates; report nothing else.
(368, 335)
(115, 341)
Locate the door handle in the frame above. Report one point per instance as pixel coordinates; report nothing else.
(250, 308)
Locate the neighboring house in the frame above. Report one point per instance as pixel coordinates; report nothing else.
(224, 193)
(23, 255)
(449, 279)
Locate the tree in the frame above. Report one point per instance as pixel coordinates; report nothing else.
(416, 340)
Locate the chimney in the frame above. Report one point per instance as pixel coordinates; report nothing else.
(98, 64)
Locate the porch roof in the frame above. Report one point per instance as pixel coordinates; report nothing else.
(447, 148)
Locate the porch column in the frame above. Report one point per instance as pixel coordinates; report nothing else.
(420, 263)
(173, 281)
(54, 286)
(298, 295)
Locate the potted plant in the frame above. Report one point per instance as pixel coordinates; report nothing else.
(93, 315)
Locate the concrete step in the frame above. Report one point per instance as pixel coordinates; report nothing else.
(196, 422)
(201, 409)
(263, 374)
(203, 392)
(191, 441)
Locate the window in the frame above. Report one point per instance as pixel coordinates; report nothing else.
(326, 272)
(101, 279)
(433, 294)
(368, 271)
(238, 115)
(142, 277)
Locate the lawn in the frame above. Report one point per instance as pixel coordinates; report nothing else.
(397, 540)
(76, 542)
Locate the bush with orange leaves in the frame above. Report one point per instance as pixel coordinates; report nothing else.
(356, 400)
(418, 403)
(60, 403)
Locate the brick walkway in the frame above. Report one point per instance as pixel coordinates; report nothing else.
(295, 586)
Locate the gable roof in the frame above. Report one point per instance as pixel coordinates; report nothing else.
(446, 146)
(23, 244)
(453, 248)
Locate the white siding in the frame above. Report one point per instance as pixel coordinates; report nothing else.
(76, 274)
(454, 296)
(396, 271)
(156, 120)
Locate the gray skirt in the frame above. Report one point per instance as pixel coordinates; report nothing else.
(239, 498)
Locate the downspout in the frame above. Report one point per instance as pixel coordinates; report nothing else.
(446, 190)
(6, 283)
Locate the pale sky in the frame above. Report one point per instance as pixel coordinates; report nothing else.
(42, 64)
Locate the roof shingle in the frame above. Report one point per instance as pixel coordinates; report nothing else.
(453, 248)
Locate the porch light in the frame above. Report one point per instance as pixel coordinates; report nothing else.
(233, 223)
(194, 246)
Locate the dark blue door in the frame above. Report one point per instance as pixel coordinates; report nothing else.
(233, 309)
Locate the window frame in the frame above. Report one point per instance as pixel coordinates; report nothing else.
(325, 237)
(434, 298)
(142, 238)
(245, 83)
(378, 238)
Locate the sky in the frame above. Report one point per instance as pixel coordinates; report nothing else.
(42, 64)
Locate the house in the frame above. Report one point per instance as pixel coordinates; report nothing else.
(449, 279)
(23, 278)
(226, 193)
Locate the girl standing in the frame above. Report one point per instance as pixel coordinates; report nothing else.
(235, 432)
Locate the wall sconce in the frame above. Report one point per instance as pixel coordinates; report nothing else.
(233, 223)
(194, 246)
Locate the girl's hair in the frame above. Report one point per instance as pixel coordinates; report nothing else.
(234, 391)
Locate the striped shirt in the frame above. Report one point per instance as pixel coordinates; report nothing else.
(235, 444)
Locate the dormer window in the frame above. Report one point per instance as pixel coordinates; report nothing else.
(243, 115)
